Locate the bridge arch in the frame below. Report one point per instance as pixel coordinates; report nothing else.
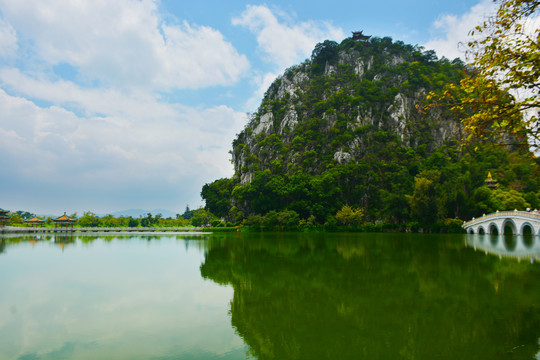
(493, 229)
(509, 227)
(527, 229)
(481, 230)
(470, 231)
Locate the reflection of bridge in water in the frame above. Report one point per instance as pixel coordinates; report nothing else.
(506, 233)
(505, 222)
(520, 247)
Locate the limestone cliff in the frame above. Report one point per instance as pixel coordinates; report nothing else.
(349, 97)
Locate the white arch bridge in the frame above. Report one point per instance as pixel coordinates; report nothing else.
(505, 222)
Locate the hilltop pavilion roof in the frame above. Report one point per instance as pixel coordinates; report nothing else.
(359, 35)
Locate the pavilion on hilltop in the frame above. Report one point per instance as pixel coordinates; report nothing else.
(358, 35)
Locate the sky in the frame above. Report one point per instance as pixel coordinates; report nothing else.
(113, 105)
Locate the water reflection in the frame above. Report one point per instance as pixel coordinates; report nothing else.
(71, 238)
(120, 297)
(294, 296)
(519, 247)
(376, 296)
(62, 240)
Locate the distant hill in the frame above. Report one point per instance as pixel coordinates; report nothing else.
(135, 213)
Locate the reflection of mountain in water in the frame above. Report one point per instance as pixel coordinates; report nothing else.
(519, 247)
(384, 296)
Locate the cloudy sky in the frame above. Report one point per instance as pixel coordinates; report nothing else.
(111, 105)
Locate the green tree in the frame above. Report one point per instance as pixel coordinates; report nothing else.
(509, 200)
(25, 214)
(484, 201)
(109, 221)
(507, 57)
(235, 215)
(132, 222)
(423, 201)
(148, 220)
(15, 219)
(326, 51)
(217, 196)
(202, 217)
(349, 216)
(89, 219)
(288, 219)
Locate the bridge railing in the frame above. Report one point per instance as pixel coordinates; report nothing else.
(531, 214)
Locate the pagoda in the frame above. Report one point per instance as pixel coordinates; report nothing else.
(490, 182)
(64, 221)
(4, 217)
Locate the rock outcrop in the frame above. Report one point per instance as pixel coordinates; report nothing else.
(332, 108)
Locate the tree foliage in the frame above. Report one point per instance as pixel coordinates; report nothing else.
(218, 196)
(349, 216)
(423, 201)
(326, 51)
(501, 95)
(509, 50)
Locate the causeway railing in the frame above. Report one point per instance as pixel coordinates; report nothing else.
(13, 229)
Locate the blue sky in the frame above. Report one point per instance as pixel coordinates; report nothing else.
(111, 105)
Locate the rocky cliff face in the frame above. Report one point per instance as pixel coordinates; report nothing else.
(349, 97)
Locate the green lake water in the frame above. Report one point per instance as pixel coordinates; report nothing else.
(269, 296)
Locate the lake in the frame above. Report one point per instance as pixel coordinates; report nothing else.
(269, 296)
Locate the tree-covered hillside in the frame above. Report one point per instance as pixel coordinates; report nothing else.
(348, 129)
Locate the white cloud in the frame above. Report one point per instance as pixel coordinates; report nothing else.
(285, 44)
(8, 40)
(180, 146)
(116, 103)
(452, 32)
(262, 82)
(125, 43)
(107, 127)
(199, 57)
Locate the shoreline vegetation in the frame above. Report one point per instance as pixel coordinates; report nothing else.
(345, 220)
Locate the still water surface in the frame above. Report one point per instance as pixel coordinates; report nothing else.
(269, 296)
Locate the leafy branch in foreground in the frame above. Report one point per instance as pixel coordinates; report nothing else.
(501, 94)
(487, 113)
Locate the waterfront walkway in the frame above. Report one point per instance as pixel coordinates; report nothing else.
(13, 229)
